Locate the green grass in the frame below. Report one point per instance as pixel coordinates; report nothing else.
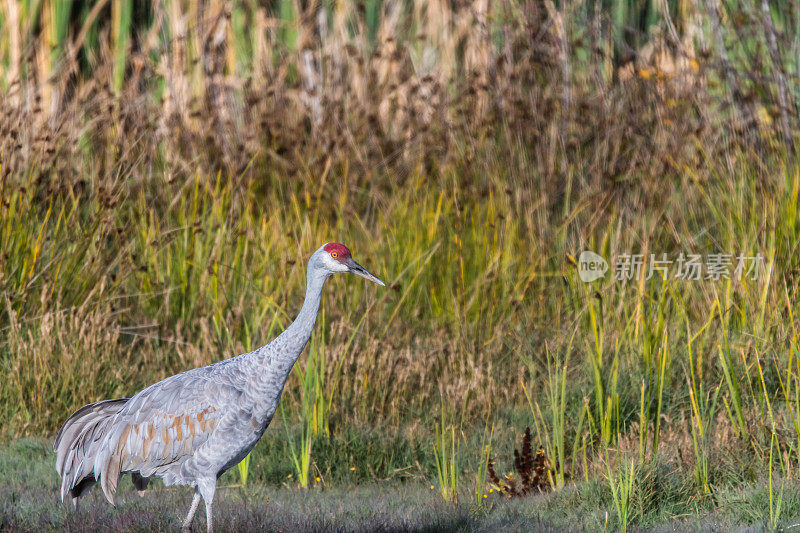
(446, 446)
(621, 484)
(211, 276)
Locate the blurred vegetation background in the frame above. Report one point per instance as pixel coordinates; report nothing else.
(167, 167)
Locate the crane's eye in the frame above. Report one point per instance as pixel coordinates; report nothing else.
(334, 254)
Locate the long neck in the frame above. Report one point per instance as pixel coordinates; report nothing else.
(289, 344)
(268, 367)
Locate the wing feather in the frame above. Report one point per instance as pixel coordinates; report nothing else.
(163, 424)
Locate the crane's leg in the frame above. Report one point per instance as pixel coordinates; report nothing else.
(187, 524)
(209, 528)
(139, 482)
(207, 488)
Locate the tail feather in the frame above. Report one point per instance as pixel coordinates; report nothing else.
(109, 463)
(110, 458)
(76, 445)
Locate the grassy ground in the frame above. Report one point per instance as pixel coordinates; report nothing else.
(29, 502)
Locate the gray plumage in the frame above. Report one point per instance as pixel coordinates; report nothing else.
(190, 428)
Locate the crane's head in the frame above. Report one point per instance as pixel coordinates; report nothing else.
(334, 258)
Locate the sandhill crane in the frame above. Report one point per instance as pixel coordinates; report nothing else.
(190, 428)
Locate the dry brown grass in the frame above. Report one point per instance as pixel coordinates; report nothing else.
(438, 84)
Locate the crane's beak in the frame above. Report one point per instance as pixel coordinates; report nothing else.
(357, 269)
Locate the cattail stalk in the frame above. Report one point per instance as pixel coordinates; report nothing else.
(777, 73)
